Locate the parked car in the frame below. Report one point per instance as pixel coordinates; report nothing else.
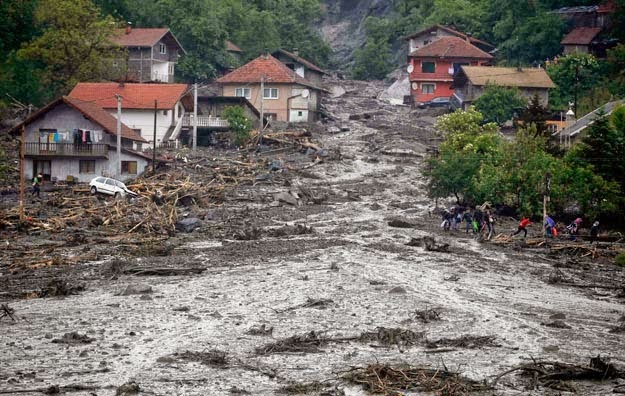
(106, 185)
(441, 101)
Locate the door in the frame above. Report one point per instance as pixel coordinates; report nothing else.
(43, 167)
(110, 186)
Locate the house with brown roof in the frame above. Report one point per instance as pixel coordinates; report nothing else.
(234, 50)
(152, 53)
(285, 96)
(78, 139)
(432, 67)
(435, 32)
(580, 40)
(140, 103)
(300, 66)
(470, 82)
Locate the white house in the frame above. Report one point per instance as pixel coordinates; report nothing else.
(140, 102)
(70, 138)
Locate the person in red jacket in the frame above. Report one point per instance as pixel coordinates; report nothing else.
(522, 224)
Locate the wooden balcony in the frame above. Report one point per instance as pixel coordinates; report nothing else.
(205, 122)
(81, 150)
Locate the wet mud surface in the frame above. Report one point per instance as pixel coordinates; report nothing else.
(315, 291)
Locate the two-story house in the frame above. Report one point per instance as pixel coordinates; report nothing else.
(142, 105)
(300, 66)
(152, 53)
(471, 81)
(285, 96)
(432, 66)
(73, 138)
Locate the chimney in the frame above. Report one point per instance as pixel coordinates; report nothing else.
(296, 51)
(128, 27)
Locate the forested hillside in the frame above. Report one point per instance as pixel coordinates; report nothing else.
(49, 45)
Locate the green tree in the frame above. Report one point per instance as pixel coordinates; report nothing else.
(371, 62)
(464, 131)
(75, 44)
(499, 104)
(238, 123)
(574, 75)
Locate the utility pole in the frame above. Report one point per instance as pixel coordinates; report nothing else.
(576, 88)
(22, 175)
(119, 135)
(195, 117)
(262, 109)
(154, 146)
(546, 195)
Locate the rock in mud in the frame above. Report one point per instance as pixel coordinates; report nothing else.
(73, 338)
(188, 225)
(286, 198)
(429, 244)
(334, 129)
(127, 389)
(138, 288)
(399, 223)
(558, 324)
(397, 290)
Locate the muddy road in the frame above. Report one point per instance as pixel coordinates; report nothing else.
(322, 288)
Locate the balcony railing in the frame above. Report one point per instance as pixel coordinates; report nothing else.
(66, 149)
(205, 121)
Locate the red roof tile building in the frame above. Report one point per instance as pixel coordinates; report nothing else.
(432, 67)
(301, 67)
(285, 95)
(138, 105)
(152, 53)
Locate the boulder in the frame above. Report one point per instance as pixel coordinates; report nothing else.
(137, 288)
(188, 224)
(287, 198)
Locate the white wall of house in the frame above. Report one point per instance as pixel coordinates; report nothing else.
(300, 70)
(60, 168)
(160, 71)
(144, 120)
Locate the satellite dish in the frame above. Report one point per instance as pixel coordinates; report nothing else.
(305, 93)
(415, 86)
(410, 69)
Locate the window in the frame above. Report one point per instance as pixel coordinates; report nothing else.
(299, 113)
(270, 93)
(271, 116)
(428, 67)
(243, 93)
(171, 68)
(129, 167)
(86, 166)
(428, 88)
(165, 112)
(426, 42)
(162, 48)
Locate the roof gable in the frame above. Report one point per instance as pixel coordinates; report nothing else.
(232, 47)
(507, 76)
(144, 37)
(454, 32)
(580, 35)
(301, 60)
(450, 47)
(134, 96)
(264, 67)
(90, 111)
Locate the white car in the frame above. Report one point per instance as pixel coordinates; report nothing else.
(106, 185)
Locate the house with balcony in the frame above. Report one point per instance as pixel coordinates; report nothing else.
(300, 66)
(471, 81)
(73, 139)
(152, 53)
(142, 105)
(284, 96)
(432, 67)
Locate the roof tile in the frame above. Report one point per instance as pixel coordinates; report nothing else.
(450, 47)
(134, 96)
(267, 67)
(580, 35)
(139, 37)
(508, 76)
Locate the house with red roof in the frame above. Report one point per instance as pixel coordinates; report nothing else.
(285, 95)
(152, 53)
(435, 32)
(432, 66)
(72, 139)
(140, 102)
(302, 67)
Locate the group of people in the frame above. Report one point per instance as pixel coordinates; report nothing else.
(479, 221)
(552, 231)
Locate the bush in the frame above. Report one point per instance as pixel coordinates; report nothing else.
(620, 259)
(239, 124)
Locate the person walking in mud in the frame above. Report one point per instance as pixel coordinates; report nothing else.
(37, 185)
(478, 219)
(468, 219)
(594, 232)
(573, 228)
(522, 227)
(549, 224)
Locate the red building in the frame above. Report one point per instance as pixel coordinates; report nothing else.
(432, 67)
